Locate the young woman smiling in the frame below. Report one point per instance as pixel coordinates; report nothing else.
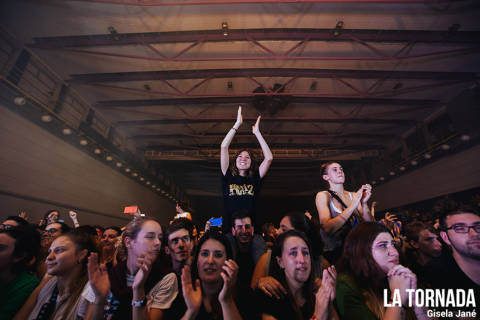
(60, 297)
(241, 180)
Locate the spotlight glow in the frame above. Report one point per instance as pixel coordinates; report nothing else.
(46, 118)
(427, 156)
(414, 163)
(97, 151)
(83, 142)
(108, 158)
(67, 131)
(118, 164)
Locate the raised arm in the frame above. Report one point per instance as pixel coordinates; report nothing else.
(224, 157)
(267, 153)
(328, 223)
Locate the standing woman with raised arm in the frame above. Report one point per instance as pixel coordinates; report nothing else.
(339, 210)
(241, 181)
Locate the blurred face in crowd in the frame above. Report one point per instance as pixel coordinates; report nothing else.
(384, 252)
(295, 260)
(63, 257)
(334, 174)
(8, 224)
(53, 217)
(428, 244)
(53, 230)
(243, 160)
(149, 240)
(285, 225)
(465, 244)
(180, 246)
(211, 259)
(7, 246)
(243, 230)
(109, 238)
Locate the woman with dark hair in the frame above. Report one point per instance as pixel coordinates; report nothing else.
(210, 294)
(241, 181)
(298, 221)
(368, 267)
(60, 297)
(305, 299)
(339, 210)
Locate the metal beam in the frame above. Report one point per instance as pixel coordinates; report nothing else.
(303, 135)
(267, 72)
(273, 34)
(249, 99)
(292, 146)
(185, 120)
(279, 154)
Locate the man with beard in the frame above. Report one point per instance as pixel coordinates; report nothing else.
(247, 248)
(460, 230)
(424, 246)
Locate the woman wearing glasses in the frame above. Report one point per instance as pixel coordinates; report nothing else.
(368, 267)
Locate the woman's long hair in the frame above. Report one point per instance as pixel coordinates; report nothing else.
(309, 288)
(82, 241)
(358, 261)
(253, 165)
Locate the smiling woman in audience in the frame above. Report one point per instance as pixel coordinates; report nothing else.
(60, 297)
(241, 180)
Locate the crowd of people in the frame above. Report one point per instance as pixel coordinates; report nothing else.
(340, 264)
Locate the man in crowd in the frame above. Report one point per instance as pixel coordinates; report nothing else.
(179, 240)
(424, 246)
(18, 246)
(460, 230)
(247, 248)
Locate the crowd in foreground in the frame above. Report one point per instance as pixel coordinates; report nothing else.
(52, 271)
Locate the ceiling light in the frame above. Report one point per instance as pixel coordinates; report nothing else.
(382, 178)
(163, 191)
(46, 118)
(83, 142)
(402, 168)
(225, 29)
(142, 178)
(465, 137)
(97, 151)
(427, 156)
(127, 169)
(142, 214)
(148, 182)
(108, 158)
(67, 131)
(374, 182)
(153, 186)
(445, 146)
(19, 101)
(118, 164)
(158, 189)
(134, 174)
(392, 173)
(414, 163)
